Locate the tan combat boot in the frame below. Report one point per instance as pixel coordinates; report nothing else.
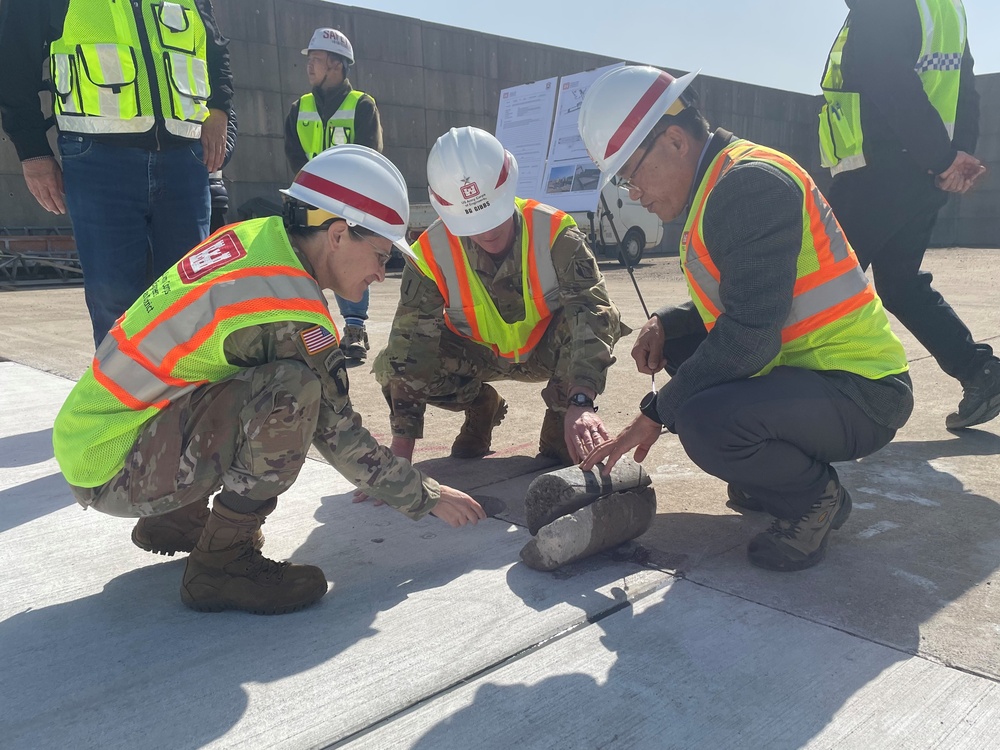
(482, 415)
(800, 544)
(552, 442)
(176, 531)
(226, 571)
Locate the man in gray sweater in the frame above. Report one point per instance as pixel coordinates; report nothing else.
(783, 361)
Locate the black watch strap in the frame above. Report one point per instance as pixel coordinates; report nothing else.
(647, 407)
(582, 400)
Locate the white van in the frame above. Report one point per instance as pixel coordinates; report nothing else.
(638, 229)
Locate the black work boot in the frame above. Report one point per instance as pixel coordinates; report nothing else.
(481, 416)
(796, 545)
(225, 570)
(981, 399)
(552, 441)
(741, 501)
(355, 343)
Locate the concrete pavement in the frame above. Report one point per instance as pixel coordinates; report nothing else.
(438, 638)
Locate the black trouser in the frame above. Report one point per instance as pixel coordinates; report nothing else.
(888, 210)
(774, 436)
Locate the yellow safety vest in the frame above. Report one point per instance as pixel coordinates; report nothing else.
(170, 341)
(314, 135)
(939, 66)
(117, 68)
(836, 321)
(469, 310)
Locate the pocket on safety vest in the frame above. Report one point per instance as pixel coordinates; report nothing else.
(107, 85)
(174, 27)
(189, 87)
(840, 128)
(63, 71)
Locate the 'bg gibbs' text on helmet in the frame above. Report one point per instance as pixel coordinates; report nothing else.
(620, 109)
(471, 180)
(358, 184)
(331, 40)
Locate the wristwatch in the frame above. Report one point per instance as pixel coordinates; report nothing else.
(647, 407)
(582, 399)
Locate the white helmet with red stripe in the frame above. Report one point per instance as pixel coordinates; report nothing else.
(471, 180)
(620, 109)
(360, 185)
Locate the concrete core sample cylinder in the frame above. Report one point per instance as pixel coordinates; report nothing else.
(605, 523)
(557, 493)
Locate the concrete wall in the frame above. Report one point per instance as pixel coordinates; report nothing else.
(427, 78)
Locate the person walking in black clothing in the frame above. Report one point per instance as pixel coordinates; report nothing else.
(898, 131)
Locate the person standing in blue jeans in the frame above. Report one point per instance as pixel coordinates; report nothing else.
(140, 92)
(332, 113)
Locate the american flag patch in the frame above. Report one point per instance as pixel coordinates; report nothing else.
(317, 338)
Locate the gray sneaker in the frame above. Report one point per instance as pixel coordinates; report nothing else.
(981, 400)
(355, 343)
(796, 545)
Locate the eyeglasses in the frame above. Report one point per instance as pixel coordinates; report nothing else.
(627, 182)
(383, 256)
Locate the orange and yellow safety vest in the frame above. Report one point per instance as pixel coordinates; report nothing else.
(171, 341)
(836, 321)
(469, 310)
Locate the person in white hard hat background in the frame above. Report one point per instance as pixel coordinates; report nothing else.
(207, 383)
(501, 289)
(332, 113)
(783, 362)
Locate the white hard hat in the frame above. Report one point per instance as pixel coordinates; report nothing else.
(331, 40)
(360, 185)
(620, 109)
(471, 180)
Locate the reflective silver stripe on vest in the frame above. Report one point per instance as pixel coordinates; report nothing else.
(109, 102)
(63, 74)
(190, 130)
(308, 116)
(827, 295)
(343, 114)
(848, 164)
(939, 61)
(92, 124)
(441, 249)
(838, 243)
(703, 279)
(144, 385)
(805, 305)
(542, 245)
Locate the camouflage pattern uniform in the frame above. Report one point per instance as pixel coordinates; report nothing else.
(250, 434)
(425, 362)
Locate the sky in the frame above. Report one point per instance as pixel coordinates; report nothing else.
(777, 43)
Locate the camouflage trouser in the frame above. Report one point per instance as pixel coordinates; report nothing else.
(466, 365)
(248, 433)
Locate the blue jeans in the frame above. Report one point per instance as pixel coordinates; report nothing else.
(135, 213)
(356, 310)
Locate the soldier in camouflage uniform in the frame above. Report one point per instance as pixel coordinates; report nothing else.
(548, 316)
(255, 288)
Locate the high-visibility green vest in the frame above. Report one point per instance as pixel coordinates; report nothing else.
(118, 68)
(939, 66)
(317, 136)
(836, 321)
(469, 310)
(170, 341)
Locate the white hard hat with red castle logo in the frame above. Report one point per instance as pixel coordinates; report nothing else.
(331, 40)
(471, 180)
(620, 109)
(358, 184)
